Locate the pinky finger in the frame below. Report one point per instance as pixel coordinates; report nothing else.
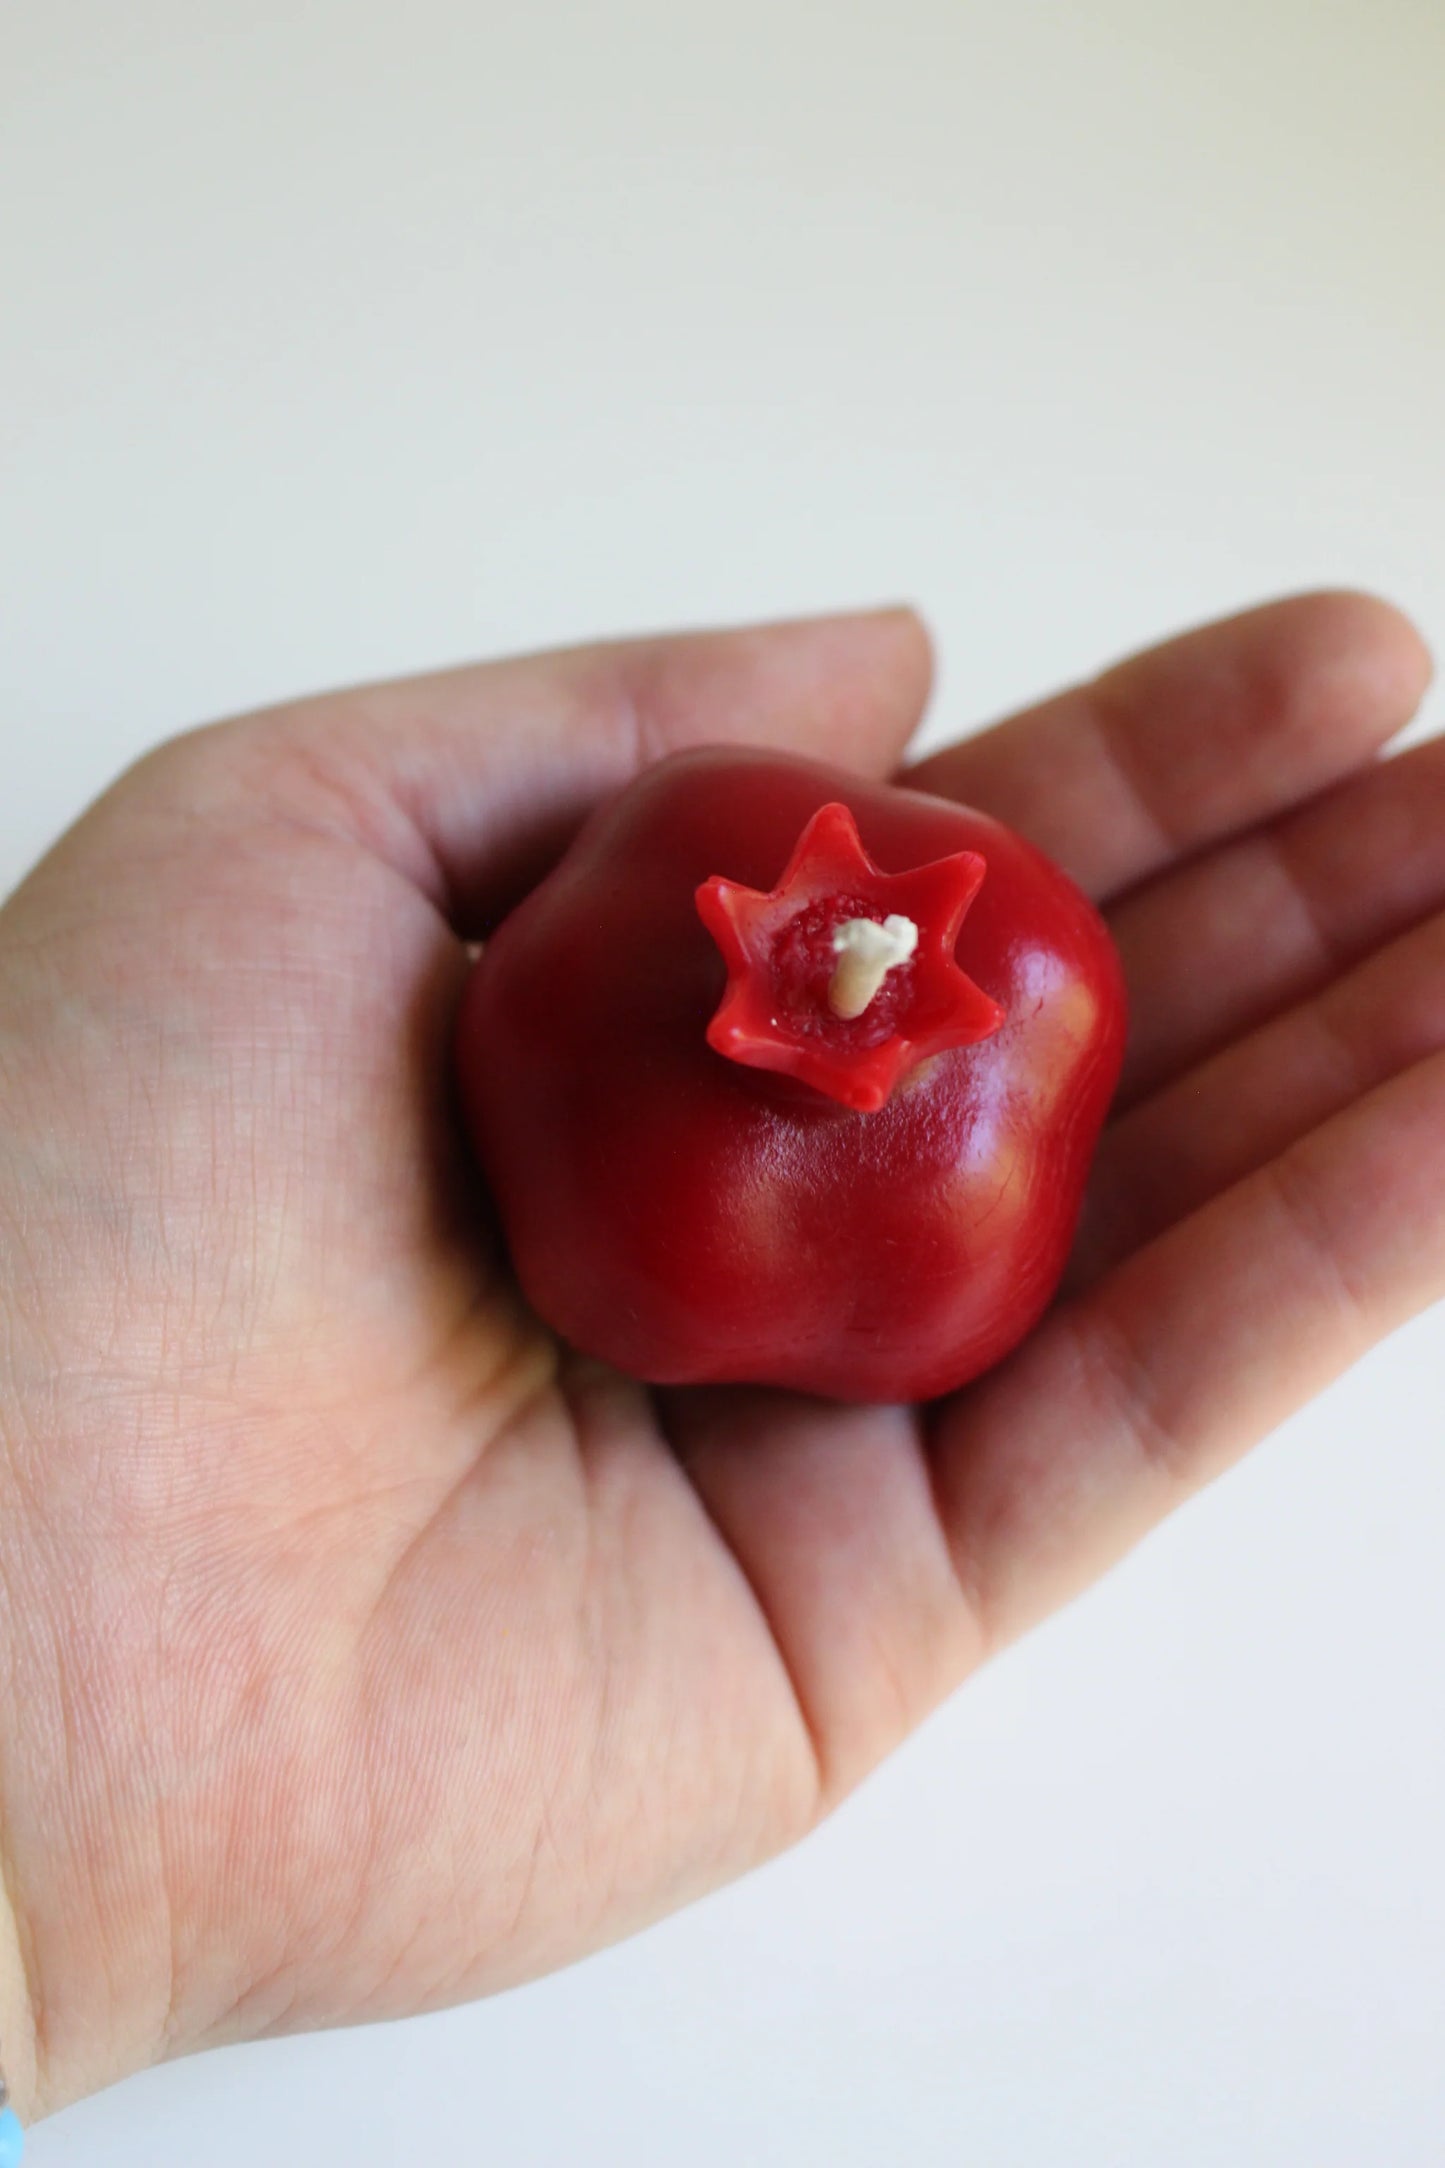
(1138, 1392)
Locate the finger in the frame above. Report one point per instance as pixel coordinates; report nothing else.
(1215, 947)
(1132, 1396)
(474, 780)
(1219, 1122)
(1213, 732)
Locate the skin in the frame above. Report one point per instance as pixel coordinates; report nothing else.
(358, 1651)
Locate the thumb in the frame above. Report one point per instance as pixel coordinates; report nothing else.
(474, 779)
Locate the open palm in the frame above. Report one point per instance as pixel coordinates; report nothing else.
(362, 1650)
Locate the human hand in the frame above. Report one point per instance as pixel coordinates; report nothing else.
(359, 1651)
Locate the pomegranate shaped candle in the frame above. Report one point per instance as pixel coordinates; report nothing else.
(790, 1078)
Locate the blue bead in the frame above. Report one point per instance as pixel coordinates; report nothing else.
(12, 2139)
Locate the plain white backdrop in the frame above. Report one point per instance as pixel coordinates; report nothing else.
(344, 338)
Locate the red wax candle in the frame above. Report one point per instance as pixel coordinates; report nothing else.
(789, 1078)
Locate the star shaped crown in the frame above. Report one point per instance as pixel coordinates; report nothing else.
(844, 976)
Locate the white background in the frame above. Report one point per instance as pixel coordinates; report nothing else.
(347, 338)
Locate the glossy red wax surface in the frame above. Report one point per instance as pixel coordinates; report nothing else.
(688, 1218)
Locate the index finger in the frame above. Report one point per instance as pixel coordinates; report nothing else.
(1187, 743)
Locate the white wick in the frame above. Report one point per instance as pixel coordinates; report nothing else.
(866, 953)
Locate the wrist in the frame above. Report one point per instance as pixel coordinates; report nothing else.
(86, 1950)
(77, 1995)
(73, 1971)
(18, 2073)
(67, 1973)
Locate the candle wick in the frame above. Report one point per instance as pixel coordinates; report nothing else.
(866, 953)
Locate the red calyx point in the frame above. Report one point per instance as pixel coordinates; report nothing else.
(781, 1008)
